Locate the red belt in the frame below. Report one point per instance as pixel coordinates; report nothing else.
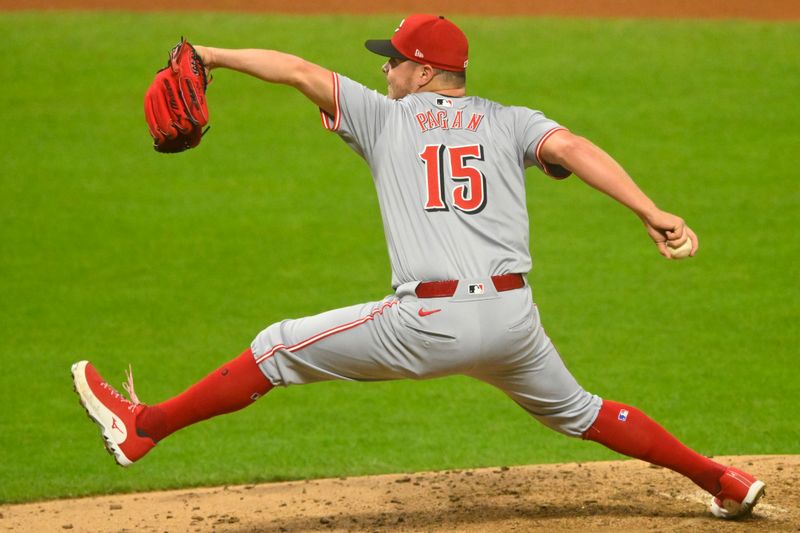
(444, 288)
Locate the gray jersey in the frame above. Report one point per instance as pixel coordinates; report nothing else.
(450, 177)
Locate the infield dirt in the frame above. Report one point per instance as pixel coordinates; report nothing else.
(598, 496)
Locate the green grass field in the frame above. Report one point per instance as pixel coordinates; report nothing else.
(118, 254)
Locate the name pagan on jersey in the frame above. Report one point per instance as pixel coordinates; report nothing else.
(454, 120)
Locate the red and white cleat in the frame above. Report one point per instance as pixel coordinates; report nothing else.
(115, 414)
(738, 494)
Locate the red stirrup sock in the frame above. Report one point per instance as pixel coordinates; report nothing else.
(628, 431)
(233, 386)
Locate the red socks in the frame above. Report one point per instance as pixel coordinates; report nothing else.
(231, 387)
(240, 382)
(628, 431)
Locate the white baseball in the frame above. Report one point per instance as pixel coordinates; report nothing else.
(681, 251)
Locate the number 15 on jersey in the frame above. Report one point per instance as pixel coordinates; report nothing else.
(447, 165)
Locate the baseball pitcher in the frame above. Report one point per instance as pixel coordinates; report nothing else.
(449, 170)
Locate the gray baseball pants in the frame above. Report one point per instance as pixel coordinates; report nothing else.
(495, 337)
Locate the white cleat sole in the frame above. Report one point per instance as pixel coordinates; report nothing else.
(98, 413)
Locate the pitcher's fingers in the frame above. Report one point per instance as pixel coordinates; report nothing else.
(677, 235)
(662, 249)
(695, 241)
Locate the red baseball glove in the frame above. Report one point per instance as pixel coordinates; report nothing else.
(175, 104)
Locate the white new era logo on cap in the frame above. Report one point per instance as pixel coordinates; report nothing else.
(419, 54)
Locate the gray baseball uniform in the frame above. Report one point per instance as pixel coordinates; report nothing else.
(450, 177)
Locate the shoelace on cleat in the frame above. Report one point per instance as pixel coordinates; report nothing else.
(128, 386)
(134, 401)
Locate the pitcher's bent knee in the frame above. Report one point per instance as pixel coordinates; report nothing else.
(265, 346)
(572, 417)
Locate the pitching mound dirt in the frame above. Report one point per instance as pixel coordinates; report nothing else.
(598, 496)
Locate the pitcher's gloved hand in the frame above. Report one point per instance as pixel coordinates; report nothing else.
(175, 103)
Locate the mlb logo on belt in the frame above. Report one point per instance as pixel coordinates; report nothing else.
(476, 288)
(623, 415)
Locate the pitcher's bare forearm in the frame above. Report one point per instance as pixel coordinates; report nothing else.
(314, 81)
(598, 169)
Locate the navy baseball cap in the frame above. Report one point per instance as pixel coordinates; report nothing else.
(425, 39)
